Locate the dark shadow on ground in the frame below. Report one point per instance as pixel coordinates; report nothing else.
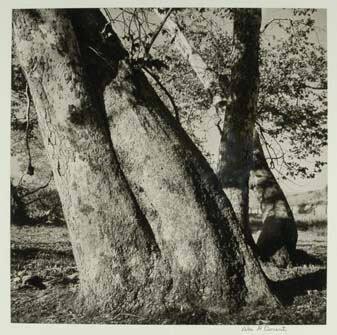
(27, 253)
(39, 222)
(301, 257)
(287, 290)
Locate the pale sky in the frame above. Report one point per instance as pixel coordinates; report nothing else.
(212, 136)
(320, 36)
(298, 184)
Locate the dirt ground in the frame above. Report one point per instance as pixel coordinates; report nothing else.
(45, 252)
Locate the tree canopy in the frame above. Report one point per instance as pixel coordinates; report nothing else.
(292, 108)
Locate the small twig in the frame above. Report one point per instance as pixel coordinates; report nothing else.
(124, 23)
(34, 200)
(217, 124)
(39, 188)
(108, 14)
(20, 180)
(272, 165)
(273, 20)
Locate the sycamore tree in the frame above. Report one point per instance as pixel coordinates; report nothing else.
(291, 104)
(150, 227)
(291, 101)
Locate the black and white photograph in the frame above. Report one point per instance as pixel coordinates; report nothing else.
(169, 166)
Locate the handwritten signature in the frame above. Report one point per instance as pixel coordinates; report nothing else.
(264, 328)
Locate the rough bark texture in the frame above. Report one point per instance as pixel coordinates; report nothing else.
(279, 234)
(236, 146)
(114, 248)
(189, 252)
(190, 216)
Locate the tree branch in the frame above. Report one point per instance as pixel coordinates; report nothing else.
(37, 189)
(273, 20)
(156, 33)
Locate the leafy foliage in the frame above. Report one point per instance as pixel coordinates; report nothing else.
(292, 108)
(293, 95)
(293, 86)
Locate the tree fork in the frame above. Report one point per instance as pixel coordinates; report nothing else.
(178, 192)
(190, 255)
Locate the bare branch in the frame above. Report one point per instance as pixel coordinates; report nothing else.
(39, 188)
(272, 21)
(156, 33)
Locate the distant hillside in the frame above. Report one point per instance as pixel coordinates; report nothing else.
(306, 206)
(312, 197)
(296, 199)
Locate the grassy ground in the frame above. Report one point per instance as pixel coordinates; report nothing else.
(46, 252)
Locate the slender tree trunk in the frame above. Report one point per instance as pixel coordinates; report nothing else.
(279, 234)
(189, 251)
(236, 145)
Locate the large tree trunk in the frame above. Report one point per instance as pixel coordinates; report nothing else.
(115, 251)
(188, 252)
(279, 233)
(190, 216)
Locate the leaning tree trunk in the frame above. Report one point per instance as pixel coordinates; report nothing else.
(279, 228)
(114, 249)
(188, 252)
(190, 216)
(279, 233)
